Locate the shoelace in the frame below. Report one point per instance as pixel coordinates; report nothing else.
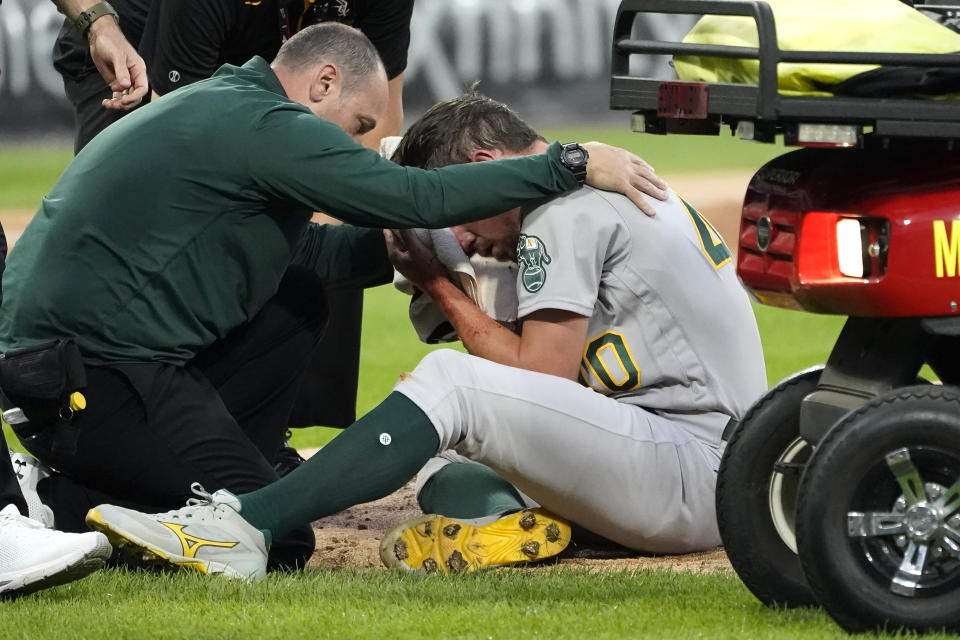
(205, 496)
(18, 466)
(204, 500)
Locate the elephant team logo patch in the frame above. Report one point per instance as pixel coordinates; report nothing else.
(532, 256)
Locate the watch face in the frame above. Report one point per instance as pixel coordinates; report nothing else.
(575, 156)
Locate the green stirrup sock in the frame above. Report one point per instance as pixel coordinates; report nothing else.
(373, 458)
(468, 490)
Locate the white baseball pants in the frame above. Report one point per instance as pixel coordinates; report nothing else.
(642, 479)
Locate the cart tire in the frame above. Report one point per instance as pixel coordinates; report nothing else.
(878, 519)
(756, 494)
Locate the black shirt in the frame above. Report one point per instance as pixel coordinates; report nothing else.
(186, 40)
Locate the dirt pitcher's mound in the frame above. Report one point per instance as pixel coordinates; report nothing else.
(351, 539)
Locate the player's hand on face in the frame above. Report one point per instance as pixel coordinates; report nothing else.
(614, 169)
(119, 64)
(412, 258)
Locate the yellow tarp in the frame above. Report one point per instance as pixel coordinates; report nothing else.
(815, 25)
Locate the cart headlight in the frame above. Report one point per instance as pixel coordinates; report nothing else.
(850, 250)
(827, 135)
(840, 247)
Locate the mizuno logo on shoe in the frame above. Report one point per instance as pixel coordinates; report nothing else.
(192, 544)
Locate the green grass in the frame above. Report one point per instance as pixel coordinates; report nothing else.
(507, 604)
(794, 340)
(26, 174)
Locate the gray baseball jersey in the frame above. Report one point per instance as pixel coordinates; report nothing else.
(671, 328)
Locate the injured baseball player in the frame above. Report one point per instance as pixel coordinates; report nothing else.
(637, 353)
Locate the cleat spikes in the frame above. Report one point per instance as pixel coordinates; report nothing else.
(437, 544)
(552, 532)
(456, 563)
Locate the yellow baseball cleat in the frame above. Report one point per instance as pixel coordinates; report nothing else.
(437, 544)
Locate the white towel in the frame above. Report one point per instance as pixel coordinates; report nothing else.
(489, 282)
(388, 145)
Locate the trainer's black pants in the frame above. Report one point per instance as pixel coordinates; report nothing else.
(9, 488)
(90, 117)
(150, 430)
(328, 396)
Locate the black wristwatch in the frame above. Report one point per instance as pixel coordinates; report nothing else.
(574, 157)
(88, 17)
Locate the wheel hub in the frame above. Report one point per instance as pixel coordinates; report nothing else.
(782, 489)
(922, 521)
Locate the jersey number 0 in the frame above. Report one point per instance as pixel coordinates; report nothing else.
(609, 359)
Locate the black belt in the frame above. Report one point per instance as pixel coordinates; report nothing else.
(728, 430)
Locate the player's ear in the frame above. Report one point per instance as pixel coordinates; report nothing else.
(482, 155)
(325, 83)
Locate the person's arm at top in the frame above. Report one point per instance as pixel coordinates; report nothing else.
(116, 59)
(301, 157)
(392, 121)
(551, 340)
(387, 24)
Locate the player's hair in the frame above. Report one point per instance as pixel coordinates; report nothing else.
(451, 130)
(332, 43)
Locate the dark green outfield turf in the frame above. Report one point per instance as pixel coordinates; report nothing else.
(507, 604)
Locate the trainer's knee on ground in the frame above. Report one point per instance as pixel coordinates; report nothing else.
(293, 550)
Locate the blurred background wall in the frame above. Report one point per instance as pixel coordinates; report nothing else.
(547, 58)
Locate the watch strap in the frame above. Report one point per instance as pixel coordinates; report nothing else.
(91, 15)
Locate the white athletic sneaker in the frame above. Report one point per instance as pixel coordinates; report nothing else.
(33, 557)
(208, 535)
(437, 544)
(29, 472)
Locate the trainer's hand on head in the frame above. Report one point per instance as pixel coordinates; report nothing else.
(119, 64)
(614, 169)
(413, 259)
